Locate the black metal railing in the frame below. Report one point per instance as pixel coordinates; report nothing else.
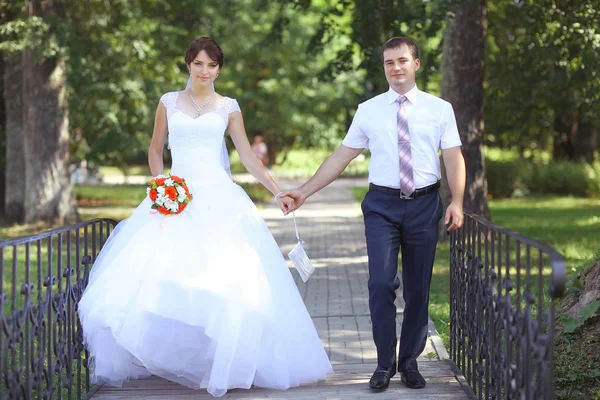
(41, 342)
(503, 287)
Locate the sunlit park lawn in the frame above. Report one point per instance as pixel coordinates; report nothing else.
(570, 225)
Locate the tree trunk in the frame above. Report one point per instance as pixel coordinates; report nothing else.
(462, 86)
(2, 140)
(14, 171)
(585, 138)
(565, 126)
(49, 193)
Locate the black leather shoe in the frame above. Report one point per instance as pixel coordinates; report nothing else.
(381, 378)
(413, 379)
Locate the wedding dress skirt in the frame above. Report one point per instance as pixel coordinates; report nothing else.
(203, 298)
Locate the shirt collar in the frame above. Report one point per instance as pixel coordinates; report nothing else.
(411, 95)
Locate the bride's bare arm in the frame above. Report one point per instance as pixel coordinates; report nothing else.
(247, 156)
(155, 152)
(252, 162)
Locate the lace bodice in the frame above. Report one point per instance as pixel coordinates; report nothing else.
(197, 144)
(227, 106)
(194, 132)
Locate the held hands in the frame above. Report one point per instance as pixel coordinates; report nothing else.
(297, 198)
(454, 214)
(290, 200)
(285, 203)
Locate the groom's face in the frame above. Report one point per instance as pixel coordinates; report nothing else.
(400, 68)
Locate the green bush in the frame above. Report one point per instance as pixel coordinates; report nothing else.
(517, 178)
(564, 178)
(507, 178)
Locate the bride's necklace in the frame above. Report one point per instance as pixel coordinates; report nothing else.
(199, 107)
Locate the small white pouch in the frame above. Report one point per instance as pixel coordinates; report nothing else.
(299, 258)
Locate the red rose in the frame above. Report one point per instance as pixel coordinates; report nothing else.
(181, 207)
(160, 181)
(153, 193)
(163, 210)
(171, 192)
(176, 179)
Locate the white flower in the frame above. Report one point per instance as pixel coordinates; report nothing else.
(160, 200)
(180, 191)
(147, 191)
(169, 182)
(181, 198)
(161, 190)
(171, 205)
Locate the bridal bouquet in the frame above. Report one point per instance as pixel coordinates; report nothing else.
(169, 194)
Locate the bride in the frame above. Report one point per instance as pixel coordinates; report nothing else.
(203, 298)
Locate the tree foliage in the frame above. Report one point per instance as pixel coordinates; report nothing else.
(543, 84)
(299, 67)
(117, 75)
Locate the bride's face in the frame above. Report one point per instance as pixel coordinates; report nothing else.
(203, 69)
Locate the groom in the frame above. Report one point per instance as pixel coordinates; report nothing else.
(403, 128)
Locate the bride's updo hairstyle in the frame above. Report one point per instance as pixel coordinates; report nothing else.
(207, 44)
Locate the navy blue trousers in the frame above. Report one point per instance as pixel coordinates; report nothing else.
(411, 226)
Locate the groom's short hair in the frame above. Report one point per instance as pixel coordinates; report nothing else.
(399, 41)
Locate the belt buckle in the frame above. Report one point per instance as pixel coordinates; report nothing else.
(405, 197)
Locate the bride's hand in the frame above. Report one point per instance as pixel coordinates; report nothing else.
(286, 204)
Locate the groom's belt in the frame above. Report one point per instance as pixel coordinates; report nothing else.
(396, 192)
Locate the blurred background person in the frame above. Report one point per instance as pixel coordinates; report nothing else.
(260, 149)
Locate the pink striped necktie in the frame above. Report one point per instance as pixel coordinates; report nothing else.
(407, 183)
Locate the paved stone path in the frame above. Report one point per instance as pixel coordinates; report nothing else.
(337, 299)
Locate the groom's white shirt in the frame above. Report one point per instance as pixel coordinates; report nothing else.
(431, 124)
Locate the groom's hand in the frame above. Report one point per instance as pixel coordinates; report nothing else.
(454, 216)
(297, 196)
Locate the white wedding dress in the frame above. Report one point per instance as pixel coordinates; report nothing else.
(203, 298)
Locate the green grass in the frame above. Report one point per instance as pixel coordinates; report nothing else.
(130, 170)
(570, 225)
(110, 195)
